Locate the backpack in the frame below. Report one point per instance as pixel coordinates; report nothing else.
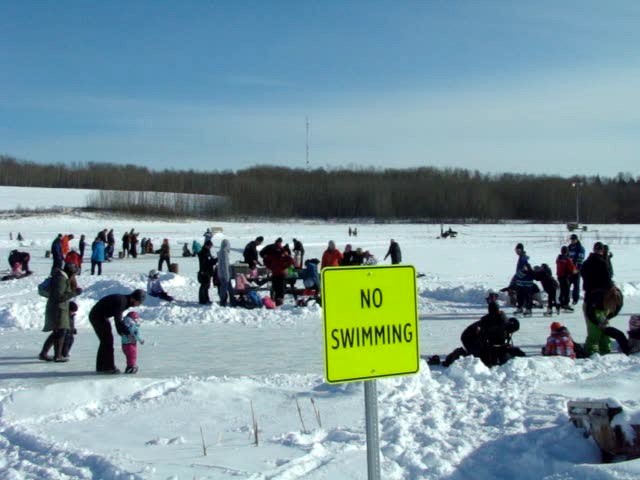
(44, 287)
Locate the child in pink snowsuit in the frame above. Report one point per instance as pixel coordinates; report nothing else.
(130, 341)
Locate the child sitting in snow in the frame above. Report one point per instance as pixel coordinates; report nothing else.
(154, 287)
(130, 341)
(559, 342)
(634, 334)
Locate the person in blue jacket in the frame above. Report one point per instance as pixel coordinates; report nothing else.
(576, 254)
(523, 280)
(97, 255)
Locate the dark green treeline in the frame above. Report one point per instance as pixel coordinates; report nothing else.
(421, 194)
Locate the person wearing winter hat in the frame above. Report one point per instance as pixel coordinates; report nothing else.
(559, 343)
(523, 280)
(597, 283)
(130, 341)
(154, 287)
(492, 296)
(111, 306)
(63, 289)
(205, 272)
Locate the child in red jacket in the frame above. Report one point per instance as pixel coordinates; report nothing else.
(565, 269)
(559, 342)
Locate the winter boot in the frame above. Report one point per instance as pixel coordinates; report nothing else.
(518, 311)
(527, 312)
(548, 313)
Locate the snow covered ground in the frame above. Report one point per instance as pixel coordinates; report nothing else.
(203, 369)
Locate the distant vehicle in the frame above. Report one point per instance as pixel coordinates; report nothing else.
(571, 226)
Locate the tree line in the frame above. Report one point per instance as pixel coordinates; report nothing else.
(416, 194)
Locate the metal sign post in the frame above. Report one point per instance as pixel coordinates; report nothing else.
(373, 437)
(370, 331)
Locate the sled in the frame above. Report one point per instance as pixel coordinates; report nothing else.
(595, 417)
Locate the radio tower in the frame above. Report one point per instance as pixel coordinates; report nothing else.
(307, 123)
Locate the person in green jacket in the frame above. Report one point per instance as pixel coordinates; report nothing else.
(56, 319)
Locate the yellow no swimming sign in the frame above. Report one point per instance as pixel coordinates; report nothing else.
(370, 322)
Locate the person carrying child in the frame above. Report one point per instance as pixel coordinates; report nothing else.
(130, 341)
(559, 343)
(154, 287)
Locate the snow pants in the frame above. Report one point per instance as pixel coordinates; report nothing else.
(104, 360)
(565, 287)
(597, 341)
(130, 351)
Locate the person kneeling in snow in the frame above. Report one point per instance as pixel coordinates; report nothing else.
(559, 343)
(489, 339)
(130, 341)
(154, 287)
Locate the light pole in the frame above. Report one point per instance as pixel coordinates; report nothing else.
(577, 186)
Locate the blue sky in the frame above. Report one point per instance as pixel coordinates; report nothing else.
(536, 87)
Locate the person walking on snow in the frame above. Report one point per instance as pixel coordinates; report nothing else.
(394, 252)
(165, 255)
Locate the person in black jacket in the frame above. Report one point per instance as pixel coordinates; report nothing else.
(251, 252)
(542, 273)
(298, 253)
(111, 306)
(394, 252)
(205, 272)
(597, 283)
(489, 339)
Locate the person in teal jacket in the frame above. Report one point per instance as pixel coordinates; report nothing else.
(130, 341)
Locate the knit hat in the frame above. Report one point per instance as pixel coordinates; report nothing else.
(519, 247)
(555, 326)
(598, 247)
(574, 236)
(133, 315)
(634, 322)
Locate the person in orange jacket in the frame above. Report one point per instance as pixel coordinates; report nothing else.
(332, 257)
(64, 244)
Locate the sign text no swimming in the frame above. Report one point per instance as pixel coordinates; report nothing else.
(370, 322)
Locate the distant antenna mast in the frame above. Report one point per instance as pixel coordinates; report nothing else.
(307, 122)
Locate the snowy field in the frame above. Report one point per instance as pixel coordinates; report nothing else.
(203, 369)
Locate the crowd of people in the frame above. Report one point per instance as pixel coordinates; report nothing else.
(490, 338)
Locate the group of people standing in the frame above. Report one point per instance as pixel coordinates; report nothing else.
(602, 300)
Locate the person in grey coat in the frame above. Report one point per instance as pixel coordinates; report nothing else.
(63, 289)
(224, 272)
